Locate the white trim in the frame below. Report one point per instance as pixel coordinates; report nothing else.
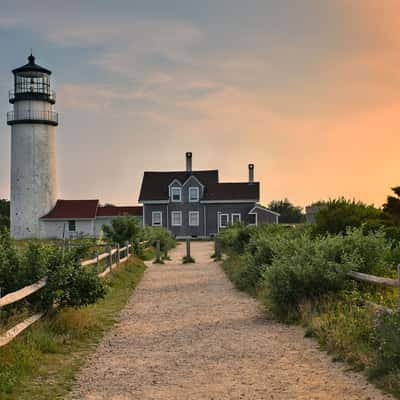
(155, 202)
(262, 208)
(194, 177)
(198, 217)
(236, 214)
(171, 194)
(219, 220)
(176, 180)
(173, 214)
(229, 201)
(205, 220)
(167, 216)
(116, 216)
(153, 213)
(68, 219)
(198, 194)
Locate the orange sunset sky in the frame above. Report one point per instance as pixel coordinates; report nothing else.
(307, 90)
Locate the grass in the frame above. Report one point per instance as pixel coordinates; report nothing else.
(188, 260)
(148, 253)
(42, 362)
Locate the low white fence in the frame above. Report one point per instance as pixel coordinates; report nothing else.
(113, 257)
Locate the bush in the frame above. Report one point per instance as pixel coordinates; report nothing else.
(302, 268)
(152, 234)
(385, 340)
(122, 230)
(236, 237)
(68, 284)
(336, 216)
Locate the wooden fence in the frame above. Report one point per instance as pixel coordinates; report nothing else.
(113, 257)
(378, 280)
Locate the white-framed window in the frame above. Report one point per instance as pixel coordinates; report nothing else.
(236, 218)
(176, 194)
(72, 226)
(194, 218)
(223, 220)
(252, 219)
(194, 194)
(176, 218)
(156, 218)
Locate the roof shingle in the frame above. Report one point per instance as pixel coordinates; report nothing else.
(115, 211)
(79, 209)
(155, 184)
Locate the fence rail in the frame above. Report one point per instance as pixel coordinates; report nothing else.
(113, 257)
(379, 280)
(22, 293)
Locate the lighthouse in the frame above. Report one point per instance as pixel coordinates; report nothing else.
(33, 149)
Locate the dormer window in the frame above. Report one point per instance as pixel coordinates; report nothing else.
(194, 194)
(176, 194)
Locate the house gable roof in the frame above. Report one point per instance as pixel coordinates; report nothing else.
(232, 192)
(89, 209)
(155, 184)
(116, 211)
(73, 209)
(262, 208)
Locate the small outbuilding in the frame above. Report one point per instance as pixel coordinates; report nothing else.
(83, 218)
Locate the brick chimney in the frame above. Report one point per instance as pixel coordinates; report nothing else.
(251, 174)
(188, 162)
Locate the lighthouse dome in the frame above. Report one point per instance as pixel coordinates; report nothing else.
(31, 67)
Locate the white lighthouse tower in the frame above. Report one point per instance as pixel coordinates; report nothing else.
(33, 149)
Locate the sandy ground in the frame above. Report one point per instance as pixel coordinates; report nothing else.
(186, 333)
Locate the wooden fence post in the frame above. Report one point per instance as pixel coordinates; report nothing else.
(127, 248)
(165, 249)
(217, 249)
(158, 251)
(118, 254)
(110, 257)
(188, 255)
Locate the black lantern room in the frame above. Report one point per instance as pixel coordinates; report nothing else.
(32, 82)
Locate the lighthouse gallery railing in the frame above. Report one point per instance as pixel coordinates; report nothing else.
(29, 115)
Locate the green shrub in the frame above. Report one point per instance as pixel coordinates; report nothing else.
(152, 234)
(236, 237)
(68, 284)
(385, 339)
(302, 268)
(122, 230)
(336, 216)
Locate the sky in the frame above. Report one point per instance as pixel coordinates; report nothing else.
(307, 90)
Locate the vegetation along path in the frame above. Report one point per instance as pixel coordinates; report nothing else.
(186, 333)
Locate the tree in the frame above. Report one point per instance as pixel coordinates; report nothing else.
(391, 208)
(4, 214)
(289, 213)
(339, 214)
(123, 229)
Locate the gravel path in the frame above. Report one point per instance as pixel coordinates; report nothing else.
(186, 334)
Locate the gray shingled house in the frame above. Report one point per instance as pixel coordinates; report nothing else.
(195, 204)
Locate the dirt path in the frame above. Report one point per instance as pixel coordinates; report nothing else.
(187, 334)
